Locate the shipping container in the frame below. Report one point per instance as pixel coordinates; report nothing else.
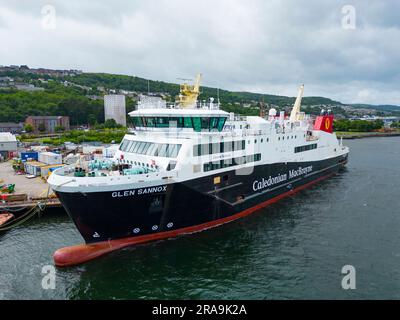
(50, 158)
(46, 169)
(33, 168)
(25, 156)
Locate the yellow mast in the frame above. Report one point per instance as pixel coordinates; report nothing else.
(189, 93)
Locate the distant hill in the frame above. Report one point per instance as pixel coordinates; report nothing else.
(71, 95)
(226, 97)
(388, 108)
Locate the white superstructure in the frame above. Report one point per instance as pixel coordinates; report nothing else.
(176, 144)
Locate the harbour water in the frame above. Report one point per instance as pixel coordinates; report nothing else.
(294, 249)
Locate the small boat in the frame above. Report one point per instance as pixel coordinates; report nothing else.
(5, 217)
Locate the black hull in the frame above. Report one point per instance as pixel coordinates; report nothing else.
(103, 216)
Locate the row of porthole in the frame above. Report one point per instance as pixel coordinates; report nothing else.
(139, 164)
(292, 137)
(154, 228)
(279, 138)
(255, 141)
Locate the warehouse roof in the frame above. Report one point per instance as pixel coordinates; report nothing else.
(7, 137)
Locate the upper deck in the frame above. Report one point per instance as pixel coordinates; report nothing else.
(197, 120)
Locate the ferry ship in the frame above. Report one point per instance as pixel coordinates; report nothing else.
(189, 166)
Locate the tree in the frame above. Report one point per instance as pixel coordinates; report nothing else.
(358, 125)
(379, 124)
(111, 124)
(92, 119)
(28, 128)
(42, 127)
(342, 125)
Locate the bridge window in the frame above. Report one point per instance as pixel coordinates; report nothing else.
(196, 123)
(213, 123)
(187, 122)
(205, 123)
(221, 123)
(162, 122)
(147, 146)
(176, 122)
(132, 146)
(151, 149)
(163, 150)
(123, 145)
(141, 147)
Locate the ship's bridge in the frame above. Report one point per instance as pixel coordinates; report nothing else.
(187, 114)
(198, 120)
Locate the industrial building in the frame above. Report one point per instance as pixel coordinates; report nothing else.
(115, 108)
(11, 127)
(8, 145)
(49, 123)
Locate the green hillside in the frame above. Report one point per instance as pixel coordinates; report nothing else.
(131, 83)
(74, 101)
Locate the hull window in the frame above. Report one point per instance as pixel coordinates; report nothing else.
(214, 148)
(305, 148)
(216, 165)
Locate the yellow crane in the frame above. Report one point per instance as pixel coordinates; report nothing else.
(189, 93)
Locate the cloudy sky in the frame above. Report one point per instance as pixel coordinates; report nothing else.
(254, 45)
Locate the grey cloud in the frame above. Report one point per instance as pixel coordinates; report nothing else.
(267, 46)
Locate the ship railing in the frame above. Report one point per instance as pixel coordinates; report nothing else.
(208, 105)
(240, 118)
(155, 175)
(253, 132)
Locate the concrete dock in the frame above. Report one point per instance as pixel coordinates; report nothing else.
(32, 187)
(36, 189)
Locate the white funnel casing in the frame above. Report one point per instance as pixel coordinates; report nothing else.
(294, 116)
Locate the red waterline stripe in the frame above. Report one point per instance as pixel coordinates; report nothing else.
(75, 255)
